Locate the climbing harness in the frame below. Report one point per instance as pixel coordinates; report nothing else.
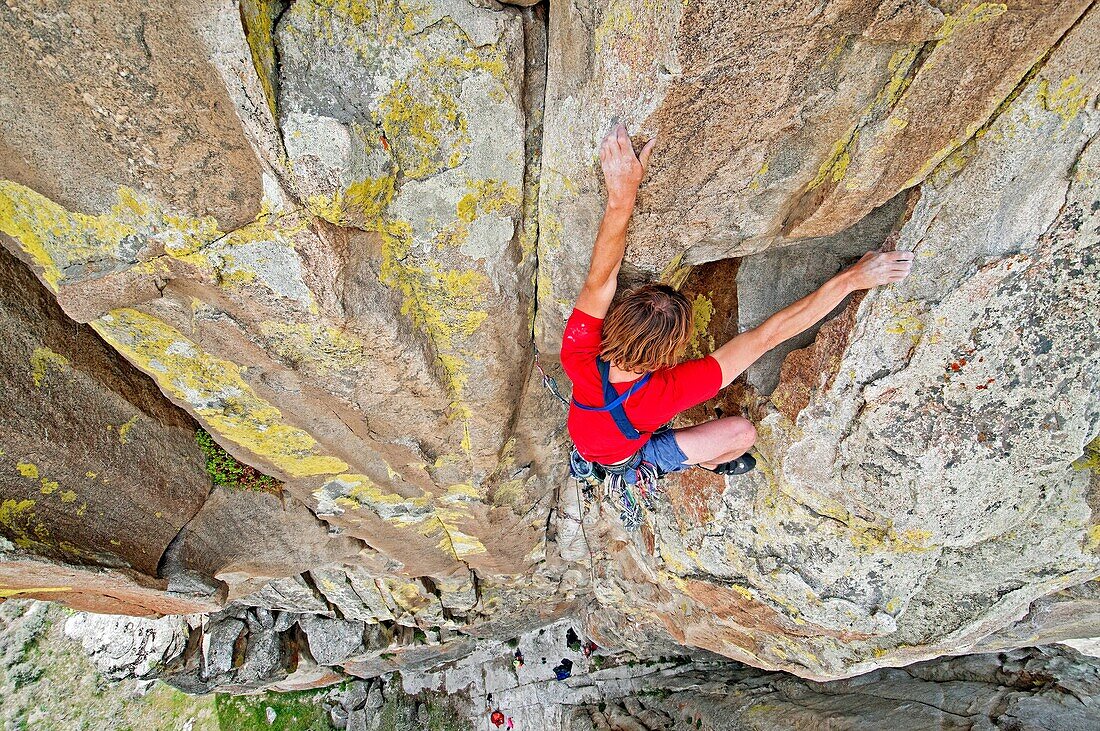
(599, 481)
(630, 495)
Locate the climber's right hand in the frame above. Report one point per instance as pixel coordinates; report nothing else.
(879, 267)
(622, 169)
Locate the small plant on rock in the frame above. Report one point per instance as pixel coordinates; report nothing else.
(227, 471)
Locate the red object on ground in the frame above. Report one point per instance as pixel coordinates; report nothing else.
(497, 718)
(669, 391)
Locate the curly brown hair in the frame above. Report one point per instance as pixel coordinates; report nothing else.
(649, 328)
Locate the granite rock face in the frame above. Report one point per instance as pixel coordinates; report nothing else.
(332, 231)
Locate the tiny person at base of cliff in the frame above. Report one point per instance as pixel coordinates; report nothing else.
(627, 368)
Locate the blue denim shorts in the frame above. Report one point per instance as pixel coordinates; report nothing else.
(663, 451)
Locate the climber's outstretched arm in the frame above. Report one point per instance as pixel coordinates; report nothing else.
(873, 269)
(622, 172)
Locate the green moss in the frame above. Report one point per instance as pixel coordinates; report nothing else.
(227, 471)
(301, 711)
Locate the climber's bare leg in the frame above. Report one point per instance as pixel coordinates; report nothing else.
(715, 442)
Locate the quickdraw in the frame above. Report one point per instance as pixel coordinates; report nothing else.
(550, 382)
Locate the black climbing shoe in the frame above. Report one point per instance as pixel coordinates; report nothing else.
(745, 463)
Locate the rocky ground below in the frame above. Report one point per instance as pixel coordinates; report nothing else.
(275, 282)
(64, 670)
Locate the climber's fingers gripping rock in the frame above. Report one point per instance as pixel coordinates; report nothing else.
(881, 267)
(622, 169)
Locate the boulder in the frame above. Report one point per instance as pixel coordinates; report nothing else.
(331, 641)
(128, 647)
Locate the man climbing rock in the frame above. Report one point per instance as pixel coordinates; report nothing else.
(626, 365)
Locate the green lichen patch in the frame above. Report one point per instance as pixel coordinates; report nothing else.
(227, 471)
(1090, 460)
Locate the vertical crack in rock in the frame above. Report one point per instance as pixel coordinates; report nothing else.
(533, 95)
(258, 20)
(536, 40)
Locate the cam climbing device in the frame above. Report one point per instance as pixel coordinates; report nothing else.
(550, 382)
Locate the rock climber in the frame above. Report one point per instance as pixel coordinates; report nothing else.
(625, 360)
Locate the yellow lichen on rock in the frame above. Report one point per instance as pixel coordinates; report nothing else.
(44, 359)
(8, 592)
(1067, 99)
(55, 238)
(361, 204)
(488, 196)
(836, 163)
(258, 18)
(452, 540)
(19, 521)
(63, 244)
(313, 346)
(216, 391)
(1090, 460)
(969, 14)
(28, 470)
(446, 304)
(702, 342)
(124, 430)
(426, 127)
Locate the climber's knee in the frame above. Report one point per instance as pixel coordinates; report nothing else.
(740, 433)
(719, 439)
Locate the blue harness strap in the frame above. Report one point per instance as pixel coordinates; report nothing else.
(613, 401)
